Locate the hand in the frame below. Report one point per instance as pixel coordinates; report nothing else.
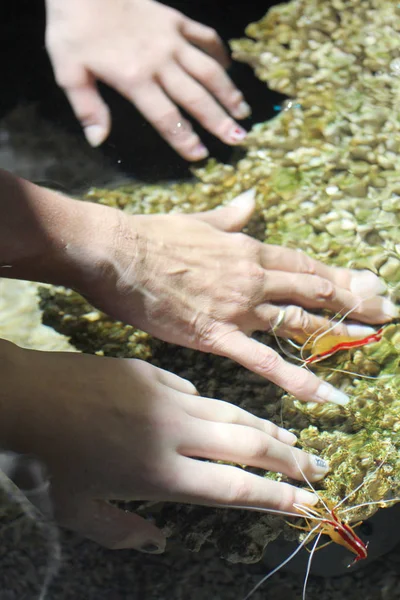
(154, 56)
(124, 429)
(189, 280)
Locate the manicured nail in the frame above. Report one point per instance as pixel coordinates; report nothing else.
(244, 199)
(327, 393)
(199, 152)
(389, 310)
(360, 331)
(319, 466)
(242, 111)
(287, 437)
(365, 284)
(304, 497)
(237, 134)
(150, 547)
(95, 135)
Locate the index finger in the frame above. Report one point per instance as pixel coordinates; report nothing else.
(224, 485)
(264, 361)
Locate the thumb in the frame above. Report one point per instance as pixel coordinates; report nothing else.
(232, 217)
(90, 110)
(110, 526)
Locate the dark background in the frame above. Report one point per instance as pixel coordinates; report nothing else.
(27, 78)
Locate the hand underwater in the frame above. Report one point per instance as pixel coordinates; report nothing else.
(191, 280)
(154, 56)
(123, 429)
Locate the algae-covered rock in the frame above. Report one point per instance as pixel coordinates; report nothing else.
(326, 171)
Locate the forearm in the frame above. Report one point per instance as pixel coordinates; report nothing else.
(45, 236)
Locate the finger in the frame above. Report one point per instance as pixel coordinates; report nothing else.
(264, 361)
(194, 98)
(176, 383)
(207, 39)
(249, 446)
(90, 110)
(362, 283)
(209, 483)
(219, 411)
(162, 113)
(298, 324)
(210, 74)
(109, 526)
(232, 217)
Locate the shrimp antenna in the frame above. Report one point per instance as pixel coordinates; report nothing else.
(388, 501)
(274, 511)
(309, 564)
(285, 562)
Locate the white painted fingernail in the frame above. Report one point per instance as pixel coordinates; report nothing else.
(199, 152)
(365, 284)
(389, 309)
(319, 467)
(327, 393)
(242, 111)
(304, 497)
(360, 331)
(244, 199)
(95, 134)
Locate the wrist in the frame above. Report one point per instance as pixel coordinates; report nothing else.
(48, 237)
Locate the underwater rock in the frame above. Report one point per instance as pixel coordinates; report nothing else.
(326, 171)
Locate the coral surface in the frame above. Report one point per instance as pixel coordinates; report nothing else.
(326, 171)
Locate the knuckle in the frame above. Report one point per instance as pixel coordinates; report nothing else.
(268, 362)
(258, 449)
(305, 264)
(324, 289)
(238, 491)
(297, 318)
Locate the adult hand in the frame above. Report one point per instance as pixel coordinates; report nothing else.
(154, 56)
(123, 429)
(192, 281)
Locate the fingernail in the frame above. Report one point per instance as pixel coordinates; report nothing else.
(244, 199)
(304, 497)
(287, 437)
(199, 152)
(389, 309)
(319, 466)
(237, 134)
(95, 135)
(365, 283)
(360, 331)
(150, 547)
(327, 393)
(242, 111)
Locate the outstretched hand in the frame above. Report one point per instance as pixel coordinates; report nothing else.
(156, 57)
(124, 429)
(194, 281)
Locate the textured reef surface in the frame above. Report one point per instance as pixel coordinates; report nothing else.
(327, 174)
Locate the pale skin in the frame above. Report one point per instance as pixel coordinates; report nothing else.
(153, 55)
(188, 279)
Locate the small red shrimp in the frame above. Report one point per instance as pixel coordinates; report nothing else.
(346, 344)
(325, 520)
